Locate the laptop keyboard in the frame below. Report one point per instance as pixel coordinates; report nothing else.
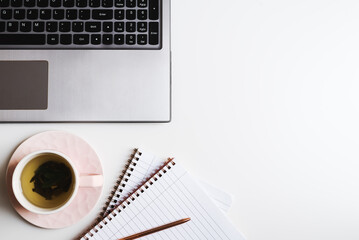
(80, 24)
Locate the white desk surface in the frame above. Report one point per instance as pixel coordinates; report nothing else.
(265, 106)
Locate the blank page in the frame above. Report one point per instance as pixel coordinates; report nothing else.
(172, 194)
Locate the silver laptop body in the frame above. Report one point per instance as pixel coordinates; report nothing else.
(106, 85)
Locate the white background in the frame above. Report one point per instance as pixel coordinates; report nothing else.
(265, 106)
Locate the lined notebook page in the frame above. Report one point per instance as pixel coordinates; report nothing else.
(141, 167)
(172, 194)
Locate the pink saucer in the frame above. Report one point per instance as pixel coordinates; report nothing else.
(86, 161)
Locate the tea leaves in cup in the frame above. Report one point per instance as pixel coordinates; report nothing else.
(52, 179)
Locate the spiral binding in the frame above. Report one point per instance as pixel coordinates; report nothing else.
(121, 182)
(163, 170)
(117, 188)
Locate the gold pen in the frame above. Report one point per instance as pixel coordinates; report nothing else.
(156, 229)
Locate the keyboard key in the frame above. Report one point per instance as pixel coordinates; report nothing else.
(81, 39)
(2, 26)
(102, 14)
(130, 14)
(107, 39)
(84, 14)
(32, 14)
(55, 3)
(141, 14)
(4, 3)
(131, 27)
(77, 26)
(142, 39)
(22, 39)
(93, 27)
(45, 14)
(42, 3)
(142, 3)
(12, 26)
(153, 9)
(95, 39)
(69, 3)
(25, 26)
(107, 3)
(95, 3)
(29, 3)
(119, 39)
(6, 14)
(81, 3)
(71, 14)
(153, 33)
(119, 26)
(38, 26)
(141, 27)
(53, 39)
(58, 14)
(19, 14)
(119, 14)
(51, 26)
(130, 39)
(16, 3)
(66, 39)
(65, 26)
(107, 26)
(130, 3)
(119, 3)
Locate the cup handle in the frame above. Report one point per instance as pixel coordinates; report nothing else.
(91, 181)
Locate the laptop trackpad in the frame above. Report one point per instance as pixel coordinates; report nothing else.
(23, 85)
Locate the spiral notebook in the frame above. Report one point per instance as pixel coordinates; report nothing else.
(171, 194)
(140, 167)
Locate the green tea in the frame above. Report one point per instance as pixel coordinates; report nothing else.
(28, 179)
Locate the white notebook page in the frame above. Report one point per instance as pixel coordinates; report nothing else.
(146, 165)
(171, 195)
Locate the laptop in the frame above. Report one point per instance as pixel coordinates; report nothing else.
(85, 61)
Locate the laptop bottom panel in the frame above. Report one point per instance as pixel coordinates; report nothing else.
(92, 86)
